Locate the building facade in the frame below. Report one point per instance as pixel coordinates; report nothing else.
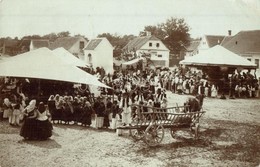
(151, 45)
(99, 53)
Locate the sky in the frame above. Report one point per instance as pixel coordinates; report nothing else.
(124, 17)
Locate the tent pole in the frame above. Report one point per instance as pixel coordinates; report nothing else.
(39, 89)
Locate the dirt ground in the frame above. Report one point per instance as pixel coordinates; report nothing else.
(229, 136)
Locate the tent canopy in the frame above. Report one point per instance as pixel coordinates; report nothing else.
(68, 57)
(218, 56)
(43, 64)
(134, 61)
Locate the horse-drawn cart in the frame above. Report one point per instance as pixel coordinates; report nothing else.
(149, 126)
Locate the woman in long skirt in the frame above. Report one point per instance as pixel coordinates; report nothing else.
(29, 127)
(52, 107)
(107, 112)
(86, 114)
(44, 126)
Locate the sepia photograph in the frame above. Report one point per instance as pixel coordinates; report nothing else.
(129, 83)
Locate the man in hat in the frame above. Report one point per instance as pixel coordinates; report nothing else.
(125, 105)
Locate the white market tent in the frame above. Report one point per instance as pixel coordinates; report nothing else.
(43, 64)
(134, 61)
(218, 56)
(69, 58)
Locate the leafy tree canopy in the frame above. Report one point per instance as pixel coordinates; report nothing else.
(174, 33)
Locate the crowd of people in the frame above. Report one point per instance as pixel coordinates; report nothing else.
(132, 86)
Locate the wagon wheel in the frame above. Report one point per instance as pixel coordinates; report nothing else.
(136, 134)
(153, 135)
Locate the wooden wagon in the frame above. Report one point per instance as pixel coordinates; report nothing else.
(149, 126)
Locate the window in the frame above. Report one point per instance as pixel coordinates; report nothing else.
(89, 58)
(257, 63)
(81, 44)
(249, 59)
(159, 55)
(158, 45)
(150, 44)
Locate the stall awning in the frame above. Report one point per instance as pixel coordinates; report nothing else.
(218, 56)
(43, 64)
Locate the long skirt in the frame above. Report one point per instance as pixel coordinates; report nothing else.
(56, 115)
(113, 123)
(126, 118)
(106, 121)
(7, 113)
(99, 122)
(67, 115)
(29, 129)
(44, 129)
(86, 119)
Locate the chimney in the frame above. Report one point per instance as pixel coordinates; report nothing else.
(229, 32)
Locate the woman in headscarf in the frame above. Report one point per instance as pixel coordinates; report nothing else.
(107, 112)
(52, 107)
(28, 130)
(86, 115)
(44, 127)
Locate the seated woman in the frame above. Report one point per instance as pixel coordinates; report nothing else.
(29, 127)
(44, 126)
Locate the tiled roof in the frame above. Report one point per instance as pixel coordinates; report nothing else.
(214, 40)
(9, 42)
(226, 40)
(244, 42)
(40, 43)
(138, 42)
(66, 42)
(92, 44)
(193, 45)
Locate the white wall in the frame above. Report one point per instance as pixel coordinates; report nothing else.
(162, 51)
(153, 47)
(75, 50)
(203, 44)
(252, 58)
(102, 56)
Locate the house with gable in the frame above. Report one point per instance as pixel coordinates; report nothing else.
(245, 44)
(99, 53)
(192, 49)
(74, 45)
(9, 47)
(209, 41)
(149, 45)
(39, 43)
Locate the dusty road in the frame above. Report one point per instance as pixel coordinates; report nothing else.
(230, 136)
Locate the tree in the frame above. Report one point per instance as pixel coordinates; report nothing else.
(63, 34)
(117, 41)
(79, 35)
(51, 37)
(174, 33)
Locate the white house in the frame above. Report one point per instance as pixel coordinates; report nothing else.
(99, 53)
(209, 41)
(38, 43)
(74, 45)
(246, 44)
(149, 45)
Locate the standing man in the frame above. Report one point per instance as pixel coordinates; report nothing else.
(125, 105)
